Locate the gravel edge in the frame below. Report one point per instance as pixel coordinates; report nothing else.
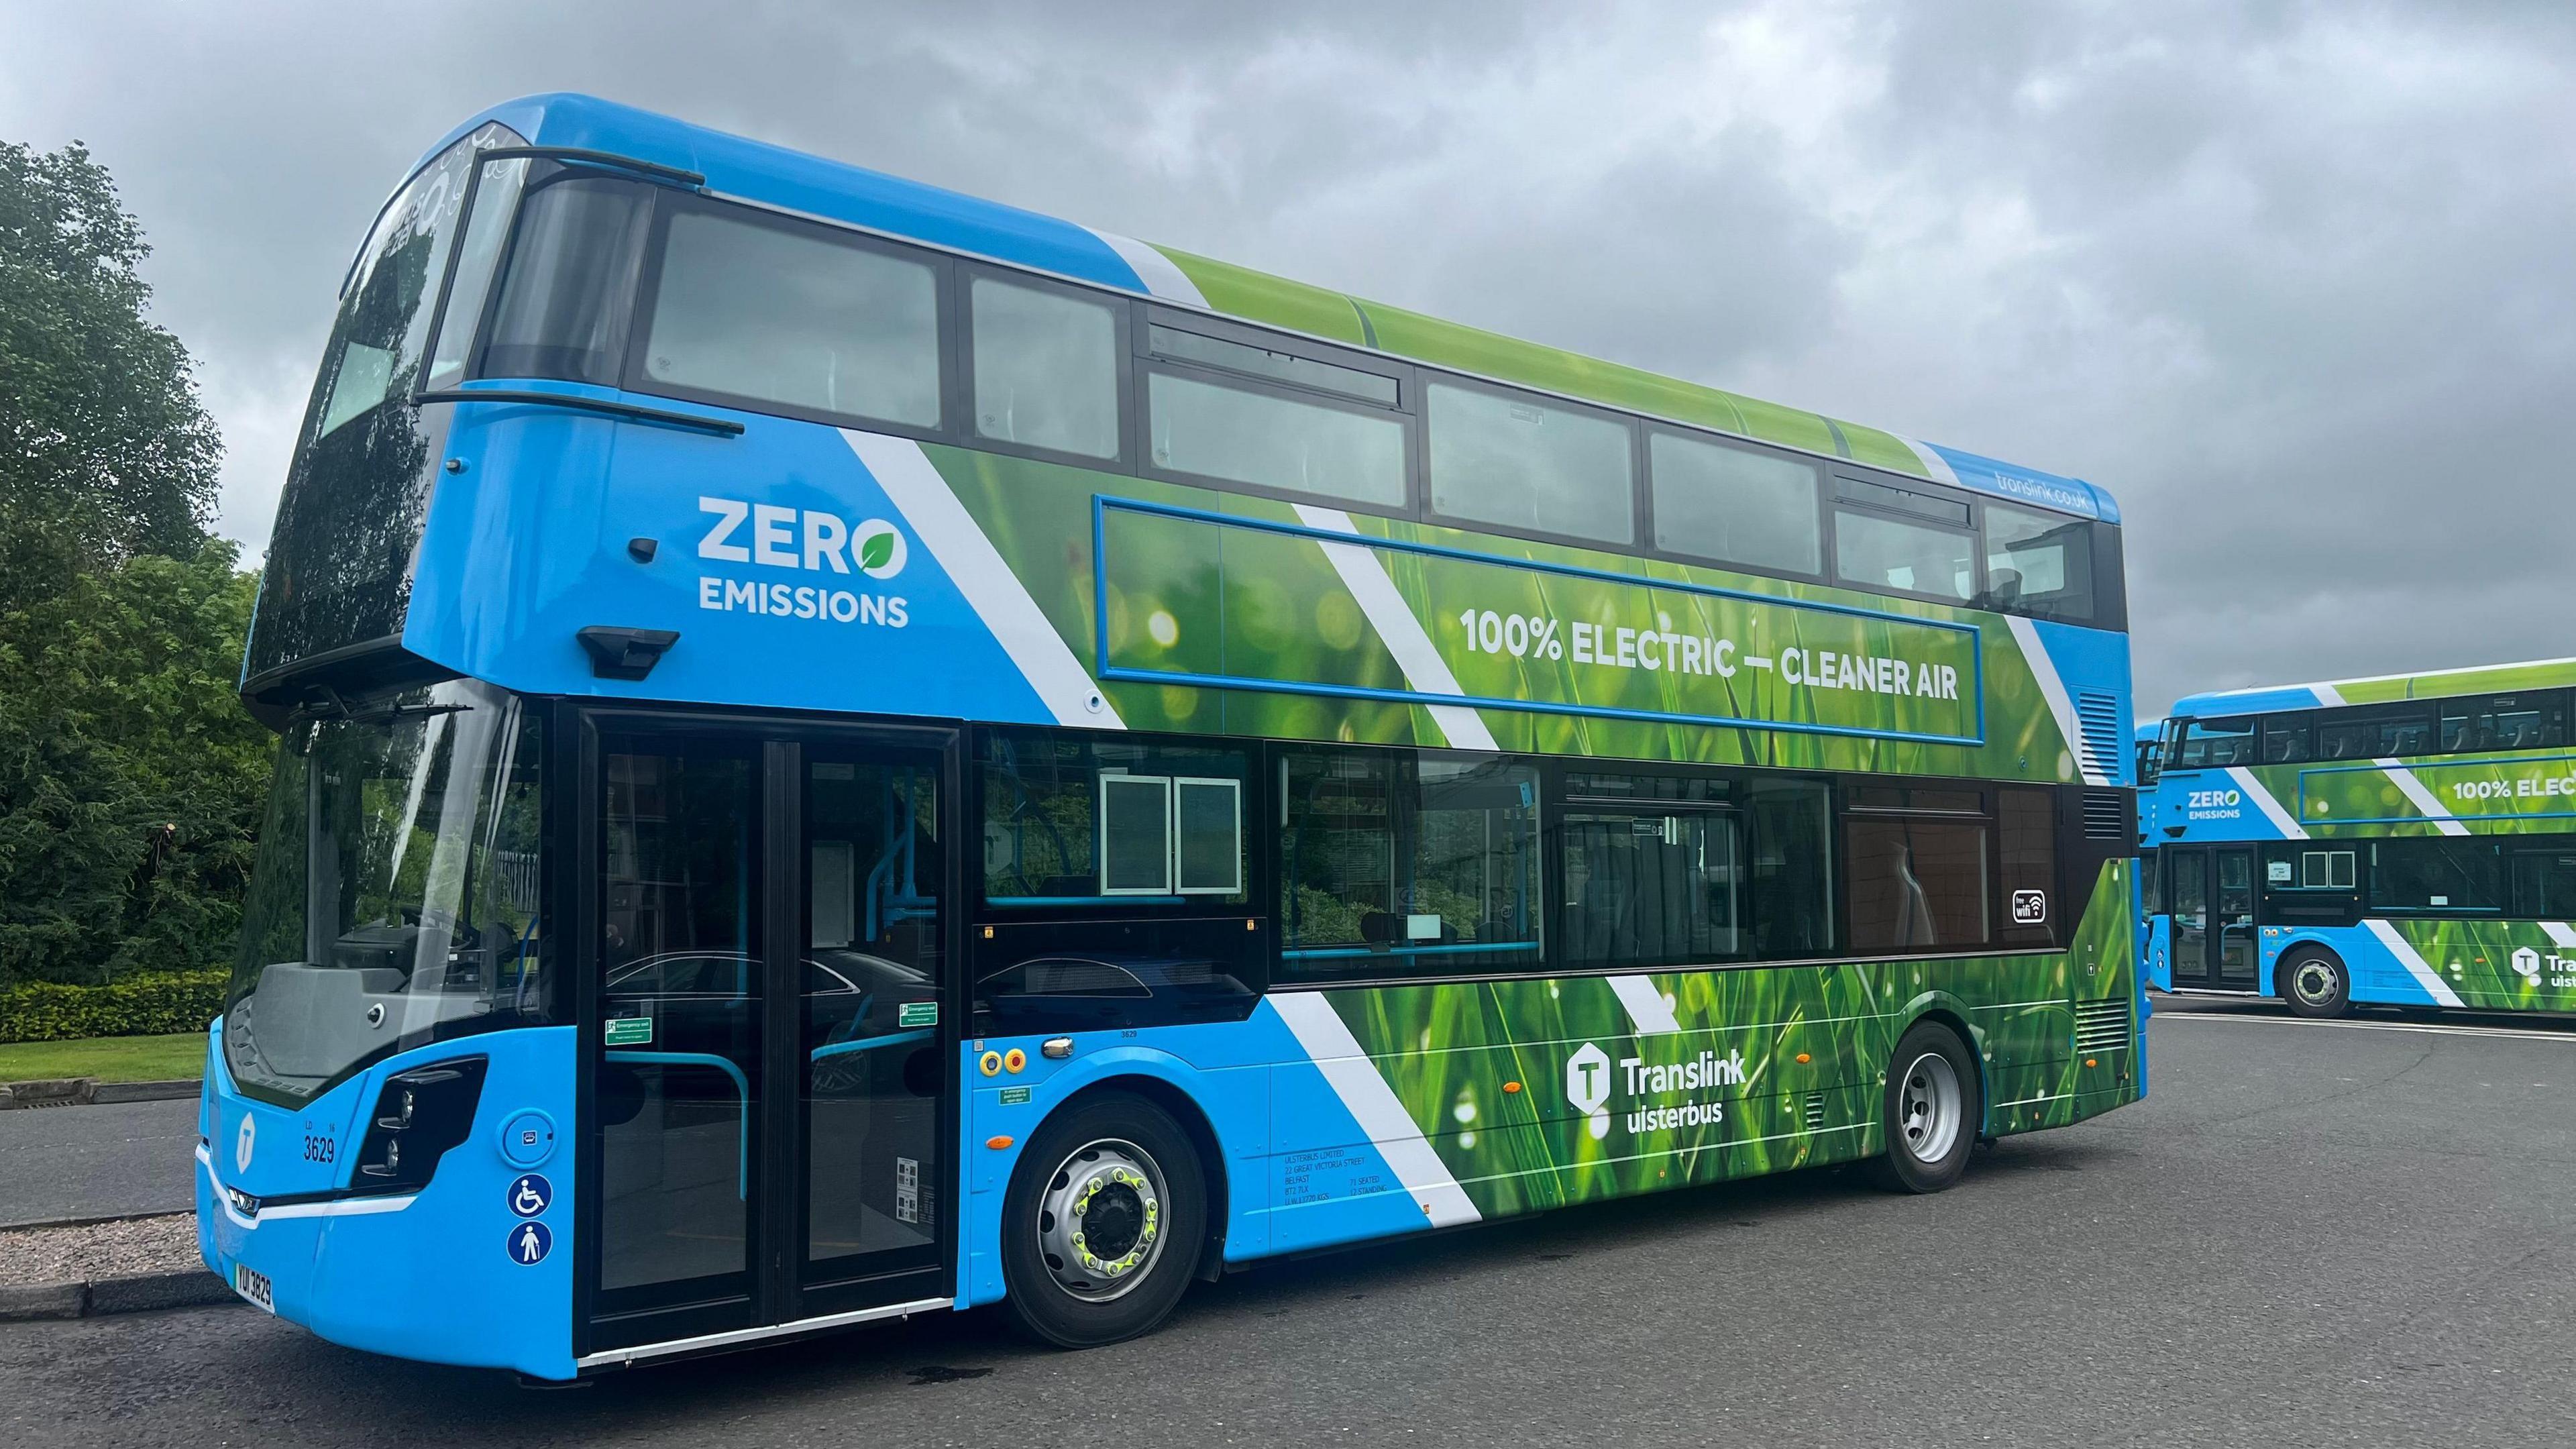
(22, 1302)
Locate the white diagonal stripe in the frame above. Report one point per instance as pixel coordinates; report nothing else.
(2422, 798)
(1646, 1005)
(2253, 789)
(2053, 689)
(1933, 463)
(2414, 962)
(1354, 1078)
(953, 537)
(1397, 628)
(2560, 934)
(1161, 277)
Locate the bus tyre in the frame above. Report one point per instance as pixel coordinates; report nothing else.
(1930, 1109)
(2314, 983)
(1105, 1221)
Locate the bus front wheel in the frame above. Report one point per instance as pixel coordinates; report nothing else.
(1104, 1225)
(1930, 1110)
(2314, 983)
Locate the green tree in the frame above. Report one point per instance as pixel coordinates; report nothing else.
(105, 452)
(130, 776)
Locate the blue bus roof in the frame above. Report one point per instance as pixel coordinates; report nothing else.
(796, 181)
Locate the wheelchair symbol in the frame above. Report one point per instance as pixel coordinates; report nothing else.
(530, 1195)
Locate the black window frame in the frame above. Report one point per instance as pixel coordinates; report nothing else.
(957, 320)
(1639, 520)
(1650, 546)
(647, 302)
(1973, 530)
(1144, 363)
(953, 273)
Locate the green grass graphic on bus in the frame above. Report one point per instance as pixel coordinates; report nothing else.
(1538, 1093)
(1252, 597)
(2508, 965)
(2503, 794)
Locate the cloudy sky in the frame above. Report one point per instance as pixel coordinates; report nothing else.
(2293, 281)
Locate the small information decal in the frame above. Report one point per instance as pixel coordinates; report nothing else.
(2030, 908)
(1015, 1096)
(918, 1013)
(907, 1189)
(630, 1031)
(531, 1194)
(529, 1243)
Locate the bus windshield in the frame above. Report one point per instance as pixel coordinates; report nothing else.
(395, 895)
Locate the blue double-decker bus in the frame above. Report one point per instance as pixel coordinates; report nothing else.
(850, 752)
(2403, 840)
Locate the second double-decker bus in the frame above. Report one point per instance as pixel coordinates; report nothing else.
(2406, 840)
(851, 752)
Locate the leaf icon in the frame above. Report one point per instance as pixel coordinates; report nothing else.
(875, 550)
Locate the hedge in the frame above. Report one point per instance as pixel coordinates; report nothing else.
(152, 1005)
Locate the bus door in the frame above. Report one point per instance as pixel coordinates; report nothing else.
(769, 1023)
(2210, 889)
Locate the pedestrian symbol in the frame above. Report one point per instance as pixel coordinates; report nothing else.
(530, 1194)
(529, 1244)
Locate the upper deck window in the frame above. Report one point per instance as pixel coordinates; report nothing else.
(1735, 505)
(2215, 743)
(2375, 733)
(748, 308)
(1522, 463)
(1878, 552)
(1046, 368)
(2525, 721)
(2039, 563)
(563, 309)
(1272, 440)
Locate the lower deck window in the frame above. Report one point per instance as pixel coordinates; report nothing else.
(1073, 821)
(1917, 882)
(1392, 863)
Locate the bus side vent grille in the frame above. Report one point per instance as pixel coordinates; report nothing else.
(2097, 719)
(2102, 1026)
(1815, 1117)
(2106, 816)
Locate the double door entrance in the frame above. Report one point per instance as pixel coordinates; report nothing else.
(769, 1027)
(2210, 889)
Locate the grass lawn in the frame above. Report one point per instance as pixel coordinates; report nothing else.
(108, 1058)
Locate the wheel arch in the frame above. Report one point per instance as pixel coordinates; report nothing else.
(1953, 1013)
(1168, 1094)
(2290, 950)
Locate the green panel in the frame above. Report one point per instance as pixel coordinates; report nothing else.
(1288, 616)
(1881, 450)
(1538, 1093)
(2498, 678)
(1276, 301)
(1508, 632)
(2507, 965)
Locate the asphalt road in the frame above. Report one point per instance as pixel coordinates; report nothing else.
(91, 1162)
(2309, 1235)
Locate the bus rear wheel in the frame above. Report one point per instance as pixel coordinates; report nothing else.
(2314, 983)
(1105, 1221)
(1930, 1110)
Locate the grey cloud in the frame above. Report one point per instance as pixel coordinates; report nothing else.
(2288, 278)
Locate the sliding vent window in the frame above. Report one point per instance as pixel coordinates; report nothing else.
(1736, 506)
(1394, 864)
(1519, 463)
(1273, 440)
(1877, 552)
(1072, 822)
(2038, 563)
(1046, 369)
(774, 314)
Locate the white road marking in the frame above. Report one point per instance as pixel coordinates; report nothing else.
(2429, 1028)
